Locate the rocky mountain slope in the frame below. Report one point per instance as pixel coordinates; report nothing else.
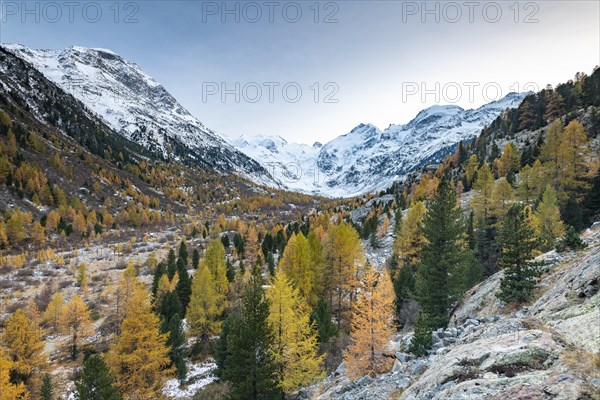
(136, 106)
(368, 159)
(546, 350)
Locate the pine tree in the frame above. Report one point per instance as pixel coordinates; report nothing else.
(517, 240)
(206, 306)
(47, 390)
(404, 285)
(421, 340)
(549, 226)
(196, 259)
(138, 357)
(96, 382)
(410, 239)
(173, 326)
(171, 263)
(445, 260)
(295, 341)
(321, 316)
(53, 314)
(24, 346)
(184, 284)
(249, 364)
(8, 389)
(372, 326)
(159, 271)
(183, 252)
(572, 215)
(76, 320)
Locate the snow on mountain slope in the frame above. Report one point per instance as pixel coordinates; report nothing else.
(138, 107)
(368, 159)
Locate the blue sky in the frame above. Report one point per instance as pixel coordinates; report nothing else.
(353, 61)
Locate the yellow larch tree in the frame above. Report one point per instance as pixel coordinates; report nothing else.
(372, 326)
(76, 321)
(295, 348)
(205, 307)
(53, 314)
(509, 161)
(547, 221)
(503, 196)
(138, 357)
(344, 256)
(23, 341)
(410, 239)
(9, 390)
(214, 259)
(297, 264)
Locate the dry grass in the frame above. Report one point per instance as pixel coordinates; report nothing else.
(396, 394)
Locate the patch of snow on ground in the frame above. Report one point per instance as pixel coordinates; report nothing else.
(198, 376)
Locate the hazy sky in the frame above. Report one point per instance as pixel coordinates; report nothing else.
(240, 66)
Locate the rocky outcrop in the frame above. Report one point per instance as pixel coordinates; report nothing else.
(545, 350)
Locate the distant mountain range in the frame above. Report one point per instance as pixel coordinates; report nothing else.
(369, 159)
(364, 160)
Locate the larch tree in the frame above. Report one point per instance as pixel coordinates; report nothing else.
(52, 316)
(76, 321)
(574, 153)
(127, 286)
(8, 389)
(481, 204)
(297, 264)
(503, 196)
(343, 257)
(471, 169)
(548, 224)
(139, 356)
(295, 346)
(372, 326)
(549, 151)
(206, 307)
(251, 245)
(214, 259)
(23, 341)
(410, 239)
(509, 161)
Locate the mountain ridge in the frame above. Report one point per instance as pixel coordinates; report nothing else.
(368, 159)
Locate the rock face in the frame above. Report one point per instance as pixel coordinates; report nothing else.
(546, 350)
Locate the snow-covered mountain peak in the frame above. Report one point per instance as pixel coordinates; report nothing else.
(137, 106)
(367, 159)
